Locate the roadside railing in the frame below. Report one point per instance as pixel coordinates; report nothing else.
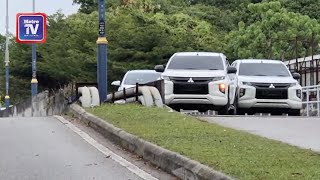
(311, 100)
(148, 94)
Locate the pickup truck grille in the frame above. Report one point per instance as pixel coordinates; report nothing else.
(188, 88)
(183, 85)
(267, 85)
(194, 79)
(271, 93)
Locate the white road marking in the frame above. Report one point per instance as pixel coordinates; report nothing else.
(136, 170)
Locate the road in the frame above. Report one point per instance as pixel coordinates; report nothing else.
(297, 131)
(45, 148)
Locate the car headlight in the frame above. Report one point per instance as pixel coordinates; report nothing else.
(246, 83)
(293, 84)
(222, 88)
(218, 78)
(167, 78)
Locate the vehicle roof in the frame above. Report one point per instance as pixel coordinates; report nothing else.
(268, 61)
(198, 54)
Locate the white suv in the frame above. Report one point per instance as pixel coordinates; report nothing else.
(266, 86)
(197, 81)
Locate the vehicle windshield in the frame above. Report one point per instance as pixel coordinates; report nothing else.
(263, 69)
(196, 63)
(141, 78)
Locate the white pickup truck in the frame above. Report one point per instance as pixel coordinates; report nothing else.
(266, 86)
(197, 81)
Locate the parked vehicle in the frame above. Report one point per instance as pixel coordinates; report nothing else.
(266, 86)
(197, 81)
(136, 76)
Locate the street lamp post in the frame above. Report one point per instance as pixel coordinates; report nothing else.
(102, 52)
(7, 97)
(34, 81)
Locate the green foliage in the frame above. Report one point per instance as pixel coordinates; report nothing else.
(272, 34)
(87, 6)
(151, 38)
(19, 88)
(2, 56)
(2, 47)
(306, 7)
(69, 54)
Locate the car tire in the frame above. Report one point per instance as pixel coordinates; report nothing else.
(232, 111)
(237, 110)
(224, 110)
(294, 112)
(202, 110)
(175, 108)
(241, 111)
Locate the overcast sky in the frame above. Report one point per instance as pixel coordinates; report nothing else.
(46, 6)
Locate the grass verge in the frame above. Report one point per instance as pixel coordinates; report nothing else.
(238, 154)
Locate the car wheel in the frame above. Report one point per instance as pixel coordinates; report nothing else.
(224, 110)
(175, 107)
(236, 110)
(241, 112)
(294, 112)
(232, 111)
(202, 110)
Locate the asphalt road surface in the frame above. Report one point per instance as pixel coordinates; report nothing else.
(297, 131)
(45, 148)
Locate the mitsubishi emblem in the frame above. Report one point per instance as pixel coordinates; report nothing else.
(190, 80)
(272, 86)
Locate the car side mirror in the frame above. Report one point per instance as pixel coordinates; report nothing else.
(231, 70)
(159, 68)
(116, 83)
(296, 76)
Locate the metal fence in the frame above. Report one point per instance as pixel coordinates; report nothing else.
(311, 100)
(308, 68)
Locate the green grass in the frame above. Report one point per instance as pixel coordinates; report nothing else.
(238, 154)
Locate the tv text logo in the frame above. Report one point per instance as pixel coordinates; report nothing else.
(31, 28)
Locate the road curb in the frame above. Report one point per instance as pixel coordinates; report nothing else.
(169, 161)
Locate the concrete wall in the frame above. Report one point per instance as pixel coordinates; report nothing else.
(44, 104)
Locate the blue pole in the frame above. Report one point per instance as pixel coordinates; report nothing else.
(102, 52)
(34, 81)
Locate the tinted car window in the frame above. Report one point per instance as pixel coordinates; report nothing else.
(141, 78)
(196, 63)
(263, 69)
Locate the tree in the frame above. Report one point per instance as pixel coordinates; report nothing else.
(222, 20)
(226, 4)
(87, 6)
(2, 56)
(306, 7)
(272, 33)
(2, 47)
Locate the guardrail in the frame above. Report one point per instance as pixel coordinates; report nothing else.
(148, 94)
(311, 97)
(133, 93)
